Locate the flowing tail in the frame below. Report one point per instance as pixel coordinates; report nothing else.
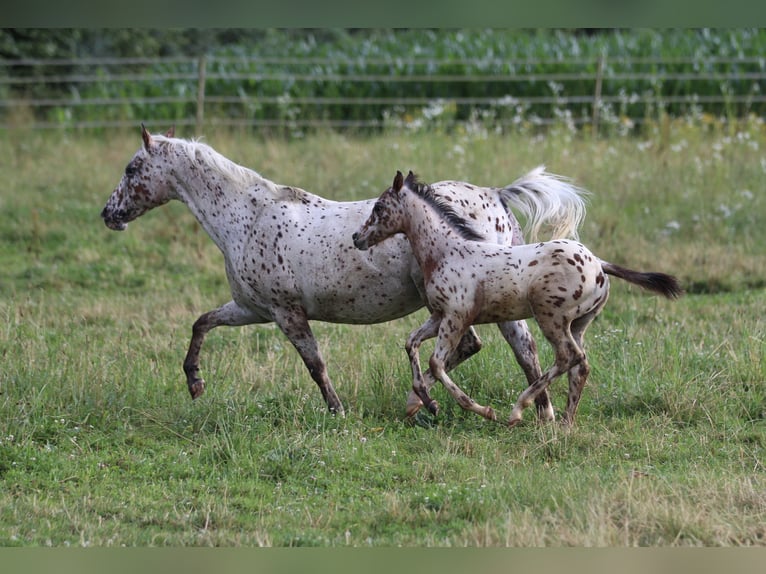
(661, 283)
(546, 198)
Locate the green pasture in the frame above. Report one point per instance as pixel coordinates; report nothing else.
(100, 444)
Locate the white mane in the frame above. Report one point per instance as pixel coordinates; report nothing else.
(202, 153)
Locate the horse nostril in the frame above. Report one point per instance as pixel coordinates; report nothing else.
(354, 237)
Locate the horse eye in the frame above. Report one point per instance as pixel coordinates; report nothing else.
(131, 170)
(377, 209)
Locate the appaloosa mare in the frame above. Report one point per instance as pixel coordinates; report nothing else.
(289, 257)
(467, 281)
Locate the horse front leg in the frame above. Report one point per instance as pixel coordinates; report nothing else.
(449, 338)
(231, 315)
(518, 336)
(295, 325)
(469, 345)
(420, 385)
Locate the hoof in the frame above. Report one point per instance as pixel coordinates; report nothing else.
(489, 413)
(546, 416)
(413, 405)
(433, 408)
(338, 412)
(512, 422)
(197, 389)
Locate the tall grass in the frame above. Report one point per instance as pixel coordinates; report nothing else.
(101, 446)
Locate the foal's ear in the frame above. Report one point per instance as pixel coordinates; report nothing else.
(147, 137)
(171, 133)
(398, 181)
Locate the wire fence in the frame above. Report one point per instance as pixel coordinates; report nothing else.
(307, 92)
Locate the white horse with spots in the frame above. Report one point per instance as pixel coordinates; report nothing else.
(289, 257)
(467, 281)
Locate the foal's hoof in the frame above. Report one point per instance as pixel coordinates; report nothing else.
(489, 414)
(515, 418)
(197, 388)
(433, 408)
(413, 405)
(512, 422)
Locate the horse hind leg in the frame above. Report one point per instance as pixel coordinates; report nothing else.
(294, 324)
(518, 336)
(578, 374)
(469, 345)
(568, 355)
(231, 315)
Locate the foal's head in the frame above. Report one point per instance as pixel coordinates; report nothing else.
(144, 184)
(388, 215)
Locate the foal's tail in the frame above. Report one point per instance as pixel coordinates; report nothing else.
(661, 283)
(545, 198)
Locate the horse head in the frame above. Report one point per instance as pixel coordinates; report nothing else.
(386, 217)
(144, 185)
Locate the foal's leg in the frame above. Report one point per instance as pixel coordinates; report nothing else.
(295, 325)
(420, 385)
(229, 314)
(518, 336)
(469, 345)
(449, 337)
(578, 375)
(568, 355)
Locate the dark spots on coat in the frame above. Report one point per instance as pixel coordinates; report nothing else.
(533, 263)
(600, 280)
(578, 293)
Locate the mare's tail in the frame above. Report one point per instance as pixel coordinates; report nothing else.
(545, 198)
(661, 283)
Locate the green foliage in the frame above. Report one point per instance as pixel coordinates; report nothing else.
(101, 446)
(270, 75)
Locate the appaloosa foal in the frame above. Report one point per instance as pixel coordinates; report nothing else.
(560, 283)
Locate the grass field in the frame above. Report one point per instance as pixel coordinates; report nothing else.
(100, 444)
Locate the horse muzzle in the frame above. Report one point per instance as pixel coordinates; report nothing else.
(113, 221)
(360, 244)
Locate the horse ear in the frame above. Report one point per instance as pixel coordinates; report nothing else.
(171, 132)
(411, 177)
(147, 137)
(398, 181)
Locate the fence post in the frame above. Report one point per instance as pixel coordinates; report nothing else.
(597, 94)
(201, 64)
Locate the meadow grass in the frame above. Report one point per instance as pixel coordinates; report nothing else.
(100, 444)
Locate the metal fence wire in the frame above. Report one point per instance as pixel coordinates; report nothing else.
(301, 93)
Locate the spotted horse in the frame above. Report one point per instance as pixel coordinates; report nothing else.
(289, 257)
(559, 283)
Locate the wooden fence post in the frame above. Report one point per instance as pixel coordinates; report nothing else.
(201, 65)
(597, 94)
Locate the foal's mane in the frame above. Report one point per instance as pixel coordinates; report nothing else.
(443, 208)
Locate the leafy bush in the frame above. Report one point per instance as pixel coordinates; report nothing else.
(382, 77)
